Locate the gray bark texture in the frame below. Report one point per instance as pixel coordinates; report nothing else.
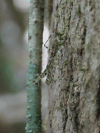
(33, 113)
(74, 93)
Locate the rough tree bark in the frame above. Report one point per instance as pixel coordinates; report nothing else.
(74, 93)
(33, 113)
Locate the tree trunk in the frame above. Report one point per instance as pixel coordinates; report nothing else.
(33, 113)
(74, 93)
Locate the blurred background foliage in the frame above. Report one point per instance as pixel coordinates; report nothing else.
(14, 63)
(13, 47)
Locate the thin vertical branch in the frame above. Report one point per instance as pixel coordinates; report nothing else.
(33, 113)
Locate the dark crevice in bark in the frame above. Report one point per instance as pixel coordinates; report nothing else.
(79, 11)
(50, 10)
(98, 101)
(83, 40)
(75, 111)
(92, 4)
(65, 120)
(76, 122)
(67, 97)
(75, 127)
(83, 36)
(71, 77)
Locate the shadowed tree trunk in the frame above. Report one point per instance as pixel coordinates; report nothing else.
(74, 93)
(33, 113)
